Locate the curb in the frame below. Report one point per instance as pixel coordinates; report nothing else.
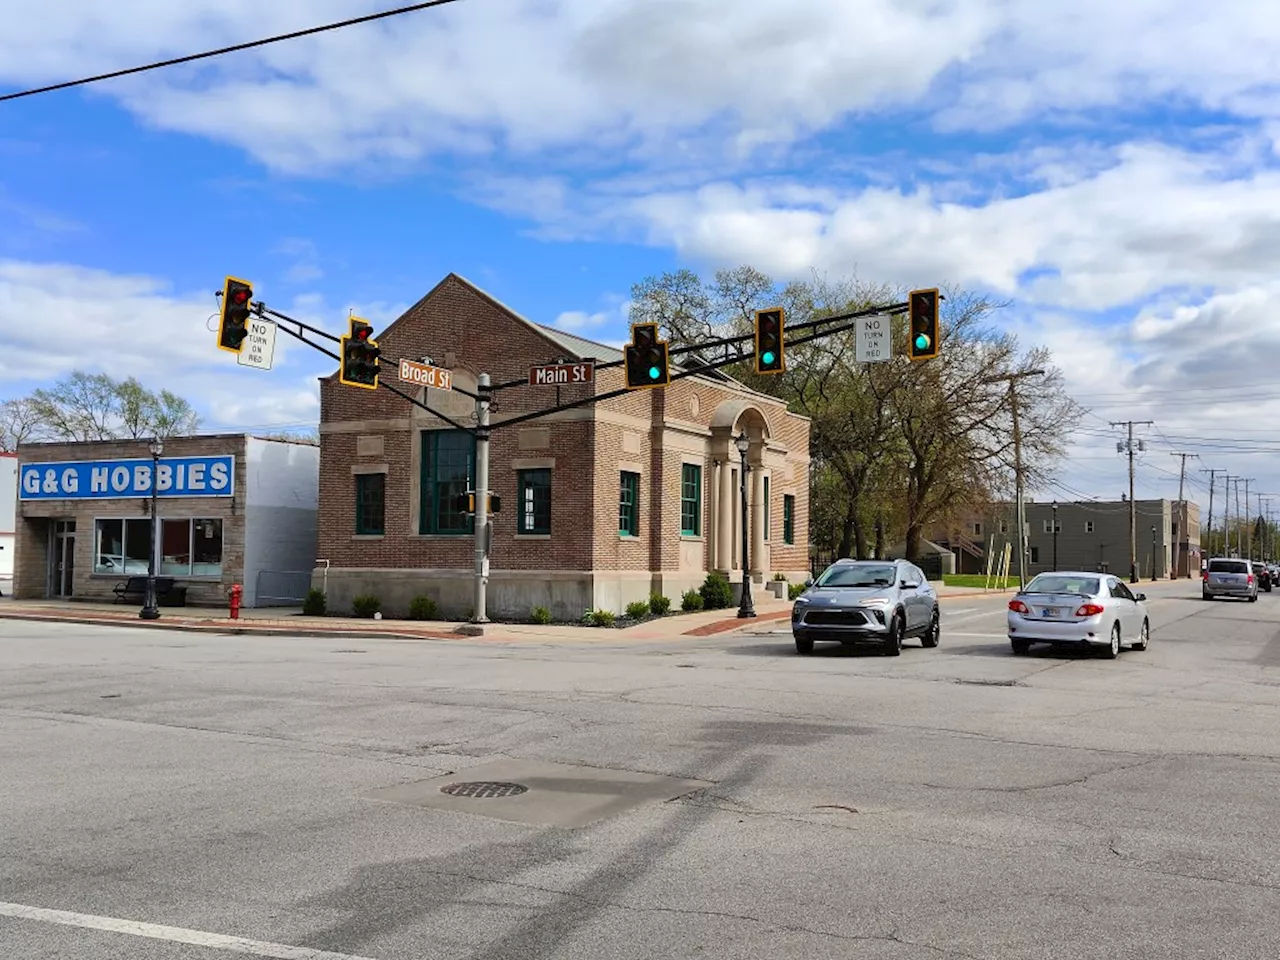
(189, 627)
(727, 626)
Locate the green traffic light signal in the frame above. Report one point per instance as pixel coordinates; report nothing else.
(922, 341)
(654, 373)
(766, 358)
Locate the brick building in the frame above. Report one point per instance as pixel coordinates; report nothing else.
(232, 509)
(601, 505)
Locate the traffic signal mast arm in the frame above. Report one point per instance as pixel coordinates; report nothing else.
(892, 308)
(694, 371)
(382, 383)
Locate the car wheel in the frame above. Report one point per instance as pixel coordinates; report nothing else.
(1253, 598)
(1112, 650)
(1144, 638)
(804, 645)
(1205, 595)
(1020, 647)
(933, 634)
(893, 642)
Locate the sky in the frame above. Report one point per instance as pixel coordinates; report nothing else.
(1109, 170)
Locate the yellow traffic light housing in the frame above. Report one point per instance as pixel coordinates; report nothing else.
(233, 321)
(925, 329)
(770, 351)
(647, 360)
(360, 354)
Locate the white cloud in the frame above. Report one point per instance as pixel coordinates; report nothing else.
(655, 79)
(135, 326)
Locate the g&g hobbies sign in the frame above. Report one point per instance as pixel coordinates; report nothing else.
(110, 479)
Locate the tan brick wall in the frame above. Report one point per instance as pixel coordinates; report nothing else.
(35, 518)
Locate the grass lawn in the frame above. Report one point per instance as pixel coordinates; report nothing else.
(978, 580)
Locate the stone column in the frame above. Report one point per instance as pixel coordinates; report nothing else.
(724, 519)
(757, 522)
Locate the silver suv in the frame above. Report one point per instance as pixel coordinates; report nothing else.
(1229, 577)
(861, 601)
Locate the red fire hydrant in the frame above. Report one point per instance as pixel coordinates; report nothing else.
(235, 592)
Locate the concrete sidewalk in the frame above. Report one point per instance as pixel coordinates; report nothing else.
(291, 622)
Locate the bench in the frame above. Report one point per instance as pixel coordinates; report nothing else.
(134, 590)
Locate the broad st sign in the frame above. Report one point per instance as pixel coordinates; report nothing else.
(113, 479)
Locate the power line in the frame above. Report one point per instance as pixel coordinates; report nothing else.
(310, 31)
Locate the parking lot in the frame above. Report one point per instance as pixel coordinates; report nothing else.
(173, 795)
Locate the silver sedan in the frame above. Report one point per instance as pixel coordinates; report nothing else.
(1092, 610)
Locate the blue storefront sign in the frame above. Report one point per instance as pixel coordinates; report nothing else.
(114, 479)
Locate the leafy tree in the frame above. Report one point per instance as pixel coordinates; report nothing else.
(19, 423)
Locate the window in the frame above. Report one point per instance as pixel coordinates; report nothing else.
(448, 472)
(977, 529)
(1004, 526)
(122, 547)
(1035, 554)
(629, 505)
(534, 488)
(1049, 524)
(691, 500)
(191, 548)
(768, 514)
(371, 498)
(188, 548)
(788, 519)
(1088, 526)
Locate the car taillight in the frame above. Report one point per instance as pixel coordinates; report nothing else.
(1089, 610)
(1204, 575)
(1250, 580)
(1017, 606)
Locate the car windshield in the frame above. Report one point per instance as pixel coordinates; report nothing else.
(857, 575)
(1059, 583)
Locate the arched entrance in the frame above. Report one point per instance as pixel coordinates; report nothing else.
(733, 419)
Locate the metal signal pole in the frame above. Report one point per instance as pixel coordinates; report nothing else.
(481, 518)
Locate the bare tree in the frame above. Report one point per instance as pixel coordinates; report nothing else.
(19, 423)
(93, 406)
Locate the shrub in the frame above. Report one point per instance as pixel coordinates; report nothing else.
(315, 604)
(602, 618)
(540, 615)
(716, 592)
(659, 605)
(780, 576)
(422, 608)
(638, 610)
(366, 605)
(691, 601)
(795, 590)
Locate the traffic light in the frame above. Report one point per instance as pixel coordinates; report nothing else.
(467, 503)
(237, 305)
(770, 357)
(647, 361)
(360, 355)
(926, 328)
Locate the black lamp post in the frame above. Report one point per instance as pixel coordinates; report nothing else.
(1055, 535)
(745, 608)
(1155, 564)
(150, 611)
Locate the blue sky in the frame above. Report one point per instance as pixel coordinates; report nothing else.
(1110, 170)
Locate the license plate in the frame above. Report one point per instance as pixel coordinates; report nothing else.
(1050, 612)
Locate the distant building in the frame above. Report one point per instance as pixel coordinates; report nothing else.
(232, 509)
(8, 511)
(1091, 535)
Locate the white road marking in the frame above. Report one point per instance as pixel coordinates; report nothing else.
(155, 931)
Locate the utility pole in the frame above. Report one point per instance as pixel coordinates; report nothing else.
(1012, 379)
(1235, 483)
(1183, 517)
(484, 396)
(1133, 515)
(1212, 473)
(1248, 510)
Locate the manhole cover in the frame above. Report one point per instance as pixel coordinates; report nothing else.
(484, 789)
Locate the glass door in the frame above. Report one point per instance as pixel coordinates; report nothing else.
(64, 559)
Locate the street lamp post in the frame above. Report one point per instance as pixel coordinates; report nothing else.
(150, 610)
(1155, 563)
(746, 608)
(1055, 534)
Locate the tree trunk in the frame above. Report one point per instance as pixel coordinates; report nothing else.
(860, 536)
(847, 535)
(915, 533)
(879, 536)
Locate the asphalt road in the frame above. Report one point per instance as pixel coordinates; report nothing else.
(163, 794)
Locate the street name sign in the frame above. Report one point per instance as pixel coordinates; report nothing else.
(561, 374)
(874, 341)
(425, 375)
(259, 347)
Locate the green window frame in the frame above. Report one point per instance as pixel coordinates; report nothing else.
(788, 518)
(691, 500)
(534, 501)
(447, 473)
(371, 504)
(629, 505)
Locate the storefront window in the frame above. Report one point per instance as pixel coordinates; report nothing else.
(121, 547)
(448, 472)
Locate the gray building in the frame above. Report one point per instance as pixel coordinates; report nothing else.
(1091, 535)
